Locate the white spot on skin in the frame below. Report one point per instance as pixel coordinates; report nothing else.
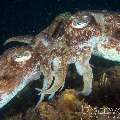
(56, 63)
(72, 60)
(44, 41)
(42, 38)
(92, 42)
(24, 57)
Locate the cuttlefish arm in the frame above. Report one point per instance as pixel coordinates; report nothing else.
(18, 67)
(57, 81)
(52, 30)
(58, 74)
(81, 59)
(22, 39)
(87, 78)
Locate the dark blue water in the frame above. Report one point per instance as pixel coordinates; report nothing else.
(20, 17)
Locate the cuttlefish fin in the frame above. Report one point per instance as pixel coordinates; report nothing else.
(22, 39)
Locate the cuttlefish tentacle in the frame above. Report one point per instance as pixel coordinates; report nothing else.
(47, 81)
(22, 39)
(45, 86)
(58, 75)
(84, 69)
(86, 72)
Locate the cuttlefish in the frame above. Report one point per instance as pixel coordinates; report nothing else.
(70, 38)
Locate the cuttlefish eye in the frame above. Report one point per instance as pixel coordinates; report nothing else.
(81, 22)
(22, 56)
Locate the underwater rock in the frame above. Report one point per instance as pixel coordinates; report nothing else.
(68, 106)
(107, 80)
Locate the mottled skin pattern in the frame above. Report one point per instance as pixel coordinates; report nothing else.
(15, 71)
(71, 38)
